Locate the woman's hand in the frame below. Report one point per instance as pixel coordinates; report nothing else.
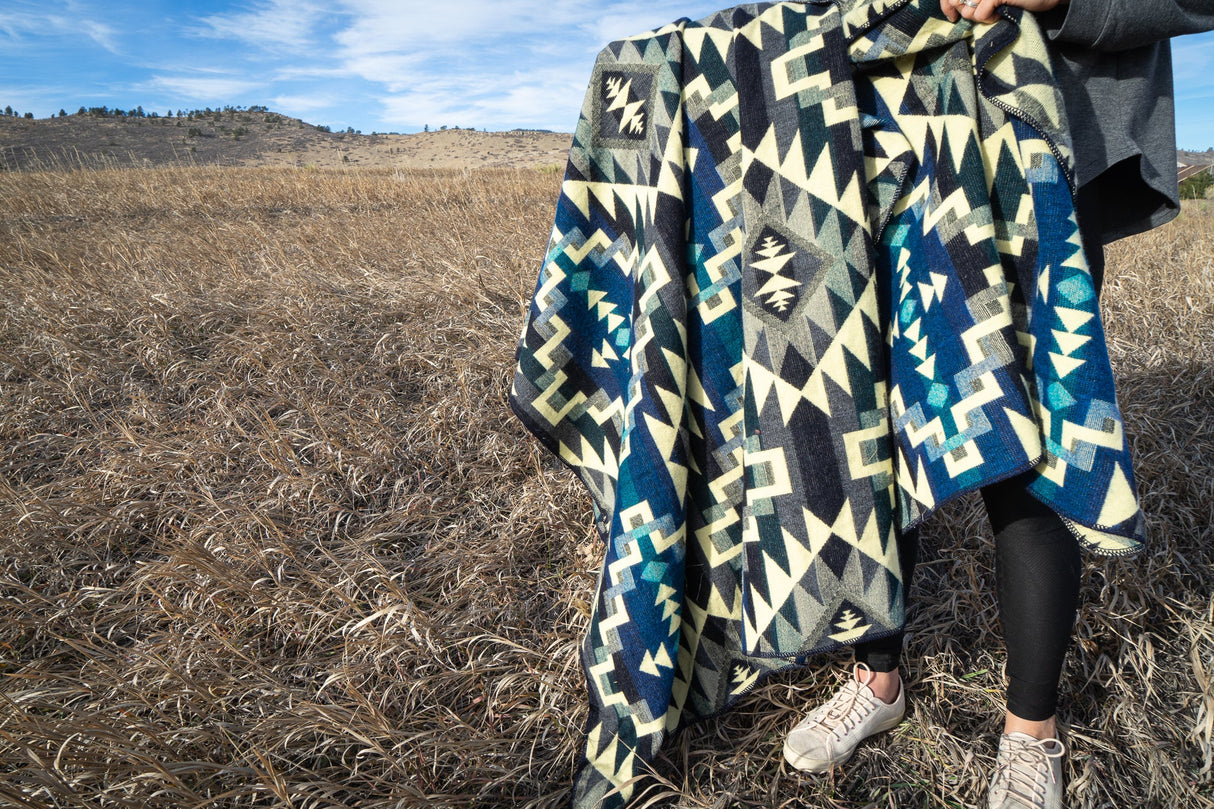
(984, 10)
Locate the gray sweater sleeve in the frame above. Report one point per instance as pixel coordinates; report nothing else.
(1114, 66)
(1116, 25)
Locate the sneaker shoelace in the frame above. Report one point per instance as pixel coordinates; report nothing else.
(844, 710)
(1023, 763)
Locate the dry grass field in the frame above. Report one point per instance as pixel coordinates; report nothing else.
(269, 535)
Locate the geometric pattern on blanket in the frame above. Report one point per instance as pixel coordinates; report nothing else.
(815, 271)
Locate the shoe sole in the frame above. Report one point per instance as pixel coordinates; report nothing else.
(816, 765)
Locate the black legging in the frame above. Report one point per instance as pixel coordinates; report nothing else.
(1037, 570)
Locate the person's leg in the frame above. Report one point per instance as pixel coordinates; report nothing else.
(871, 701)
(882, 656)
(1037, 571)
(1087, 208)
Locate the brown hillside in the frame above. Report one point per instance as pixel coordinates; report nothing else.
(1196, 158)
(255, 138)
(263, 138)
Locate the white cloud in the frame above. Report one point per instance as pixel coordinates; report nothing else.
(398, 72)
(32, 98)
(15, 26)
(386, 26)
(296, 105)
(19, 25)
(204, 88)
(309, 71)
(624, 19)
(483, 63)
(537, 101)
(102, 34)
(1193, 59)
(273, 25)
(383, 26)
(1193, 72)
(486, 62)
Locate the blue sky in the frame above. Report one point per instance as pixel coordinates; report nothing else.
(375, 65)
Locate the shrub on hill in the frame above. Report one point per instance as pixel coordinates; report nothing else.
(1195, 187)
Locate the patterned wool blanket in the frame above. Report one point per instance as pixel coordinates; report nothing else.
(815, 271)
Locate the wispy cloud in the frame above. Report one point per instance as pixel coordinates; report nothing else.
(623, 19)
(277, 25)
(1193, 59)
(384, 26)
(1193, 72)
(485, 62)
(219, 89)
(371, 64)
(308, 71)
(486, 101)
(37, 23)
(297, 105)
(398, 72)
(104, 35)
(24, 98)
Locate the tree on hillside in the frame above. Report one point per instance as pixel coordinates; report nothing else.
(8, 111)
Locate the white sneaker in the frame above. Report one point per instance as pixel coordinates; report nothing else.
(830, 734)
(1028, 773)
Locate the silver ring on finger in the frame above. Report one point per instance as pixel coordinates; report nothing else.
(970, 3)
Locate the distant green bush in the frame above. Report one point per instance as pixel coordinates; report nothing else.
(1195, 187)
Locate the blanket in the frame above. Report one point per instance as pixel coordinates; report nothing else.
(815, 271)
